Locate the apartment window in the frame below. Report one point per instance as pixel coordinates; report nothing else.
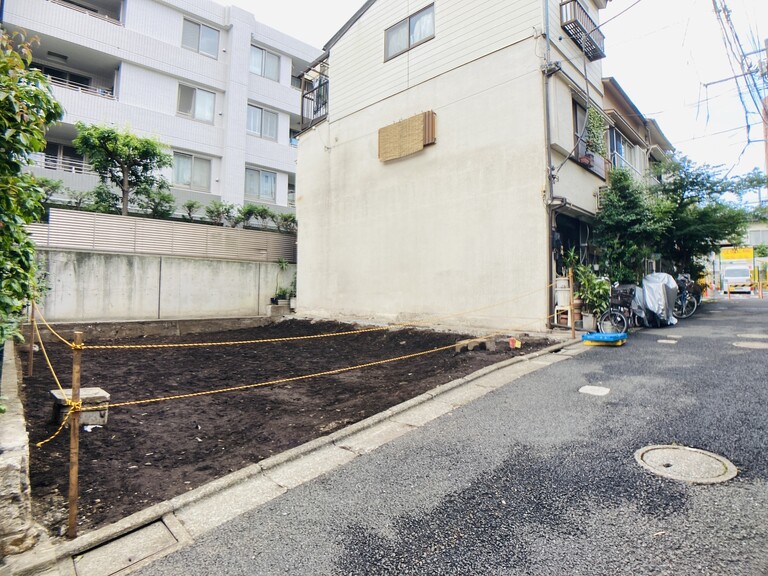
(261, 183)
(200, 38)
(265, 63)
(622, 150)
(262, 122)
(191, 171)
(412, 31)
(196, 103)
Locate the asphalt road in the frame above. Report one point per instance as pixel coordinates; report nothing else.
(537, 478)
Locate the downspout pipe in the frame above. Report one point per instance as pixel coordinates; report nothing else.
(550, 192)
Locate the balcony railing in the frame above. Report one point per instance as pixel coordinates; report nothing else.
(83, 10)
(314, 104)
(93, 90)
(62, 164)
(590, 160)
(580, 27)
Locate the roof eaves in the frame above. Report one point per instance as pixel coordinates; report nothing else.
(343, 30)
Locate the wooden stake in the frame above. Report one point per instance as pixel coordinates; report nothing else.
(31, 354)
(74, 438)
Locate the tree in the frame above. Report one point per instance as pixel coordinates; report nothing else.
(190, 207)
(158, 202)
(684, 217)
(219, 212)
(27, 108)
(122, 159)
(693, 201)
(626, 229)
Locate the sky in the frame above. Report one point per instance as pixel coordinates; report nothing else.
(664, 53)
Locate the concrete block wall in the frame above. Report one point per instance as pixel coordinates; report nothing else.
(18, 532)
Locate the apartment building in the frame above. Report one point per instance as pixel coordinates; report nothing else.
(220, 89)
(448, 156)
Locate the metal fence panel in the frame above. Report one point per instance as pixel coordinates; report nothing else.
(110, 233)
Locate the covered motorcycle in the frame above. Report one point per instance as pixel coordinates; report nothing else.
(655, 301)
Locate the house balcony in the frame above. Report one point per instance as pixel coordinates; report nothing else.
(314, 103)
(590, 160)
(580, 27)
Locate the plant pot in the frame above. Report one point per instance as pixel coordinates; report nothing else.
(282, 302)
(577, 304)
(587, 160)
(588, 321)
(292, 303)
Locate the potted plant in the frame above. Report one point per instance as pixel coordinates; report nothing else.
(281, 296)
(594, 292)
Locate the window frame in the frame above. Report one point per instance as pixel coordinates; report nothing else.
(198, 48)
(407, 22)
(193, 157)
(263, 71)
(193, 114)
(260, 171)
(260, 133)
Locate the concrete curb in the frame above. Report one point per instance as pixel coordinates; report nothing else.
(51, 558)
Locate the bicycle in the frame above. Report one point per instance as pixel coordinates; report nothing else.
(685, 303)
(620, 314)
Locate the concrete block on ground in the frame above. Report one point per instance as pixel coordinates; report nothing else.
(90, 397)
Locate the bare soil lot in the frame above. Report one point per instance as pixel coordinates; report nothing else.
(152, 452)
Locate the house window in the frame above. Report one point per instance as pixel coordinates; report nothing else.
(200, 38)
(262, 122)
(191, 171)
(622, 150)
(412, 31)
(196, 103)
(265, 63)
(579, 124)
(261, 184)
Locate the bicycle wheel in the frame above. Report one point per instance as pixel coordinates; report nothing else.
(686, 310)
(612, 321)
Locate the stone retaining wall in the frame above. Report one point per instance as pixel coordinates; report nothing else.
(18, 532)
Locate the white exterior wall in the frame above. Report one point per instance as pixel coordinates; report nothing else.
(441, 232)
(144, 60)
(457, 234)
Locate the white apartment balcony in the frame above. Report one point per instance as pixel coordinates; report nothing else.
(73, 173)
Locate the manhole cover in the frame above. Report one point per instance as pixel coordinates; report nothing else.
(686, 464)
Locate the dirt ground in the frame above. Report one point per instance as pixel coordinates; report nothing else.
(152, 452)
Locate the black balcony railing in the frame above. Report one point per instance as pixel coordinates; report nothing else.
(580, 27)
(314, 103)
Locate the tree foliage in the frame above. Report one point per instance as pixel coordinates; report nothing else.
(27, 108)
(627, 228)
(120, 158)
(683, 217)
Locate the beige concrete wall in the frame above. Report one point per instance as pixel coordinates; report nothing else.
(99, 287)
(459, 227)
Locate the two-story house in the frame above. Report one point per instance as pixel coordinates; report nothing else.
(220, 89)
(446, 158)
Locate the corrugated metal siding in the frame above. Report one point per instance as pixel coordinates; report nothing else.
(108, 233)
